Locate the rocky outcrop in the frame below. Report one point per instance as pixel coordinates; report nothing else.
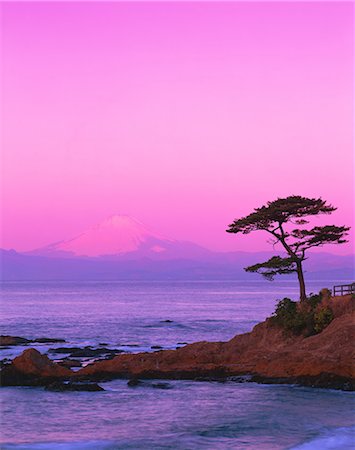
(32, 368)
(267, 352)
(6, 340)
(32, 362)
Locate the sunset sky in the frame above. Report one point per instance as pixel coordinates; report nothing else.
(183, 115)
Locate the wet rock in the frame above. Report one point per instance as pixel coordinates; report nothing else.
(133, 382)
(13, 340)
(5, 362)
(166, 321)
(90, 352)
(69, 363)
(212, 379)
(156, 347)
(86, 352)
(17, 340)
(161, 386)
(240, 379)
(64, 350)
(9, 376)
(323, 380)
(58, 386)
(45, 340)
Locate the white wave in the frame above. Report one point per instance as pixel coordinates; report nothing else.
(336, 439)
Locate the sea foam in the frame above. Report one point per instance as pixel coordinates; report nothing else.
(338, 438)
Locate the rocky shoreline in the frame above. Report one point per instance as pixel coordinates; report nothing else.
(267, 354)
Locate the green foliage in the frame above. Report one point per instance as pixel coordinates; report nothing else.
(280, 211)
(287, 316)
(274, 266)
(314, 300)
(322, 318)
(285, 310)
(307, 319)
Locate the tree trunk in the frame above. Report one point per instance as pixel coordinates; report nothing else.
(303, 295)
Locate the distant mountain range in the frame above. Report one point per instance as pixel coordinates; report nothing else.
(122, 248)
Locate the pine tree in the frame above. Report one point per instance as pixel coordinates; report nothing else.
(275, 218)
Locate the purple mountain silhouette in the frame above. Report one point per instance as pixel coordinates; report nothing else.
(121, 248)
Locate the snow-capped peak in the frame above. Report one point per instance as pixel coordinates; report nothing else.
(118, 234)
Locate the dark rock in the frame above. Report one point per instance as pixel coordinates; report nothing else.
(91, 352)
(323, 381)
(212, 379)
(181, 343)
(86, 352)
(58, 386)
(13, 340)
(167, 321)
(10, 376)
(64, 349)
(5, 362)
(161, 385)
(156, 347)
(45, 340)
(240, 379)
(66, 362)
(134, 382)
(17, 340)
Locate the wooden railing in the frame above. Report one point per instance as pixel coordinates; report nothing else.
(344, 289)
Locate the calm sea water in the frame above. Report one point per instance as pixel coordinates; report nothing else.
(190, 415)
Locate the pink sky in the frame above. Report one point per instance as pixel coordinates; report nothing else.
(183, 115)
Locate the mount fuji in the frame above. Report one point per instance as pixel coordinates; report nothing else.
(121, 237)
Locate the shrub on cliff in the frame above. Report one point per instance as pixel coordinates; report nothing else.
(287, 316)
(300, 318)
(322, 318)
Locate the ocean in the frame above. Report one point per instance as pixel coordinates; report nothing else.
(136, 316)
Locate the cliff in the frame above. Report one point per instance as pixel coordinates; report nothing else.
(268, 352)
